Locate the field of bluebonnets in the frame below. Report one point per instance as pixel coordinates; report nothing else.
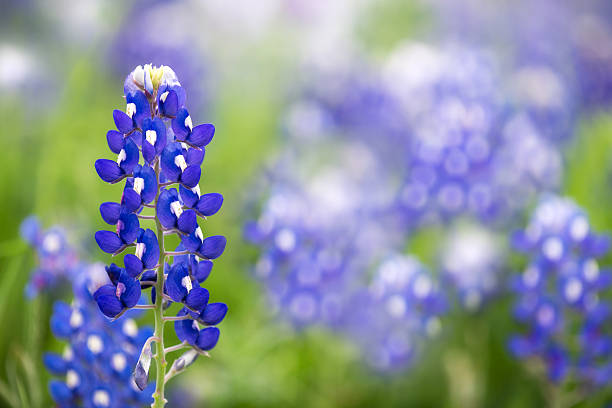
(416, 197)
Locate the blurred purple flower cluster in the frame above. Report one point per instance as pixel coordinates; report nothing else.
(424, 139)
(560, 288)
(57, 262)
(95, 369)
(455, 136)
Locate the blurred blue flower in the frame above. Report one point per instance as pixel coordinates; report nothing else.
(318, 232)
(393, 318)
(560, 289)
(96, 366)
(57, 262)
(157, 123)
(463, 156)
(324, 224)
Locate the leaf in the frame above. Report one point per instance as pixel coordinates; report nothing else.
(7, 395)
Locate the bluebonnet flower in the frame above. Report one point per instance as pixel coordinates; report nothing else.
(463, 145)
(96, 365)
(471, 261)
(57, 261)
(400, 309)
(322, 228)
(157, 124)
(312, 225)
(561, 288)
(451, 133)
(440, 120)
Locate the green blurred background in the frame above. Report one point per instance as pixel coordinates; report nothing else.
(47, 151)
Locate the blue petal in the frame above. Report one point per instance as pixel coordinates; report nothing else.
(596, 246)
(201, 135)
(113, 272)
(115, 141)
(171, 105)
(123, 122)
(191, 242)
(164, 213)
(153, 294)
(520, 241)
(213, 247)
(108, 241)
(208, 338)
(133, 265)
(110, 212)
(203, 270)
(160, 143)
(189, 198)
(136, 136)
(148, 151)
(107, 301)
(195, 157)
(197, 298)
(151, 253)
(187, 222)
(174, 285)
(108, 170)
(55, 363)
(129, 227)
(186, 330)
(191, 176)
(213, 314)
(132, 290)
(60, 320)
(59, 391)
(131, 200)
(143, 109)
(171, 170)
(209, 204)
(30, 229)
(178, 124)
(520, 347)
(150, 183)
(132, 154)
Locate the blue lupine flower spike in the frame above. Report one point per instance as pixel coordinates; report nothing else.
(162, 187)
(560, 289)
(94, 369)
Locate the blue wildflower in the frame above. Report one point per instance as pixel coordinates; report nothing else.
(57, 260)
(464, 157)
(393, 318)
(95, 368)
(561, 288)
(157, 124)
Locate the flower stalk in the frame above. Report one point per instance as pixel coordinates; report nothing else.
(160, 356)
(159, 155)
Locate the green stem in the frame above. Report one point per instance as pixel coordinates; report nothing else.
(160, 357)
